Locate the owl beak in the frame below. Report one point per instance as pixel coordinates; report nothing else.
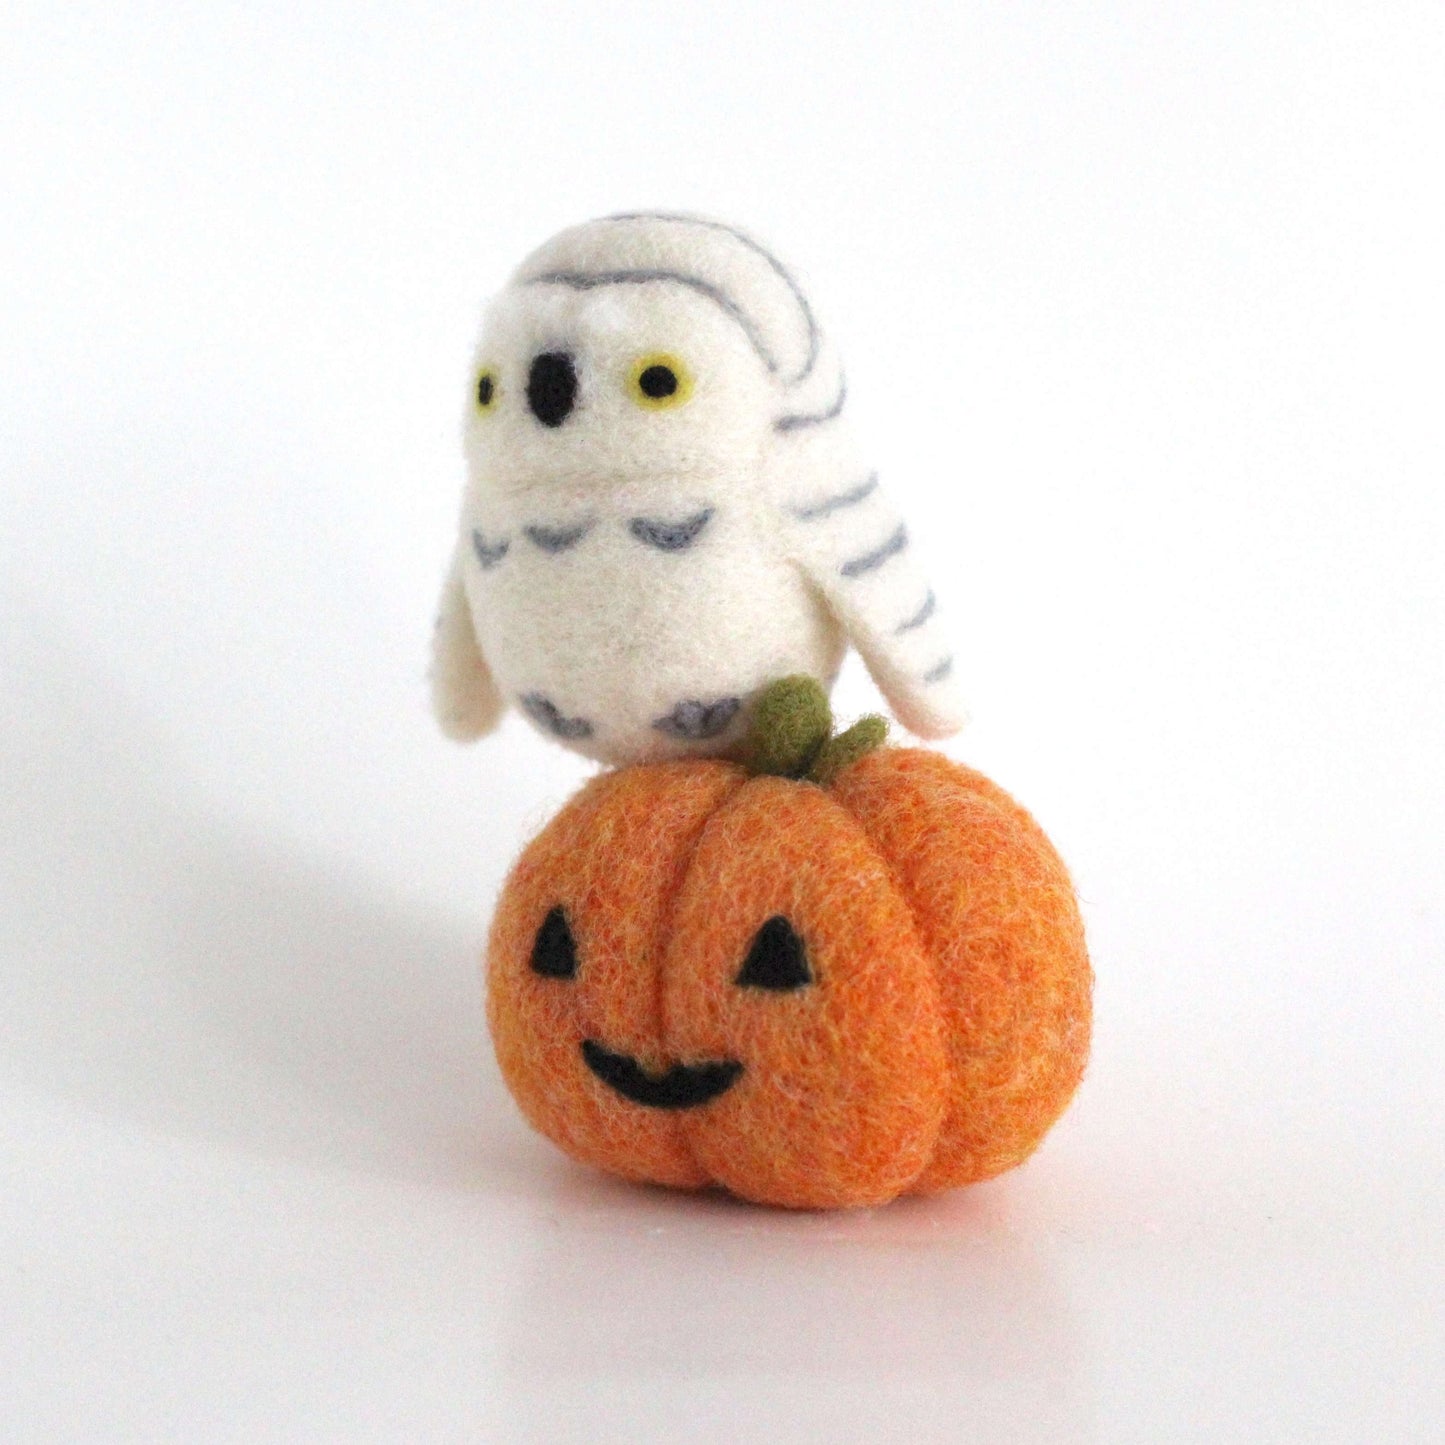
(552, 387)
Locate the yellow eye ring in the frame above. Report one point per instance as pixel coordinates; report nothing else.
(488, 389)
(658, 381)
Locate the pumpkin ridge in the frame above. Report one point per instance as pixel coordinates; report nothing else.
(1017, 985)
(667, 913)
(531, 1018)
(896, 990)
(905, 893)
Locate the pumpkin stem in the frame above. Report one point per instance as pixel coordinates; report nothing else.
(791, 723)
(851, 744)
(791, 734)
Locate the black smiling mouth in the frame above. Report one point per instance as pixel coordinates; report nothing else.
(683, 1086)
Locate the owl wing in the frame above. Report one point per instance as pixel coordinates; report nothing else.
(856, 549)
(465, 699)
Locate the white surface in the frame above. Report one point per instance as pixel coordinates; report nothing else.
(1143, 309)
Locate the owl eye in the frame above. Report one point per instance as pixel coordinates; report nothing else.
(488, 389)
(659, 381)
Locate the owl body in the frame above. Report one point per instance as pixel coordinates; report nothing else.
(664, 510)
(636, 624)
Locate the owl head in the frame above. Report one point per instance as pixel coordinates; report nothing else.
(645, 347)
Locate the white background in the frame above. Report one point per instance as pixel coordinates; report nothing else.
(1142, 308)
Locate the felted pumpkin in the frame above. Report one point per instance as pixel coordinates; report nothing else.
(824, 975)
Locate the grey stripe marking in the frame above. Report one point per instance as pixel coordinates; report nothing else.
(830, 505)
(692, 721)
(930, 603)
(939, 671)
(586, 280)
(488, 553)
(794, 420)
(871, 561)
(786, 276)
(669, 536)
(557, 539)
(547, 715)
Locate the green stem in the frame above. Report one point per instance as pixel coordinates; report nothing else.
(791, 734)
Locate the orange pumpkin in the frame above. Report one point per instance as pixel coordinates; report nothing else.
(812, 995)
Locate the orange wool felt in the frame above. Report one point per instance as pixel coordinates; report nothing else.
(814, 996)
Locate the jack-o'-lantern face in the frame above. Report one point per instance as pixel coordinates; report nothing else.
(730, 991)
(810, 995)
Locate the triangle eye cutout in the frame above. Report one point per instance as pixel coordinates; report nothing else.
(777, 959)
(554, 951)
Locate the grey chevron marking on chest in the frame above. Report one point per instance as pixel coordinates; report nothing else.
(557, 539)
(489, 553)
(691, 721)
(670, 536)
(547, 715)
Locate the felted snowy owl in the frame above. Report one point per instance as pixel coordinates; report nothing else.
(664, 510)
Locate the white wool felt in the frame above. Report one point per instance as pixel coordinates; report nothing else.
(632, 574)
(464, 696)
